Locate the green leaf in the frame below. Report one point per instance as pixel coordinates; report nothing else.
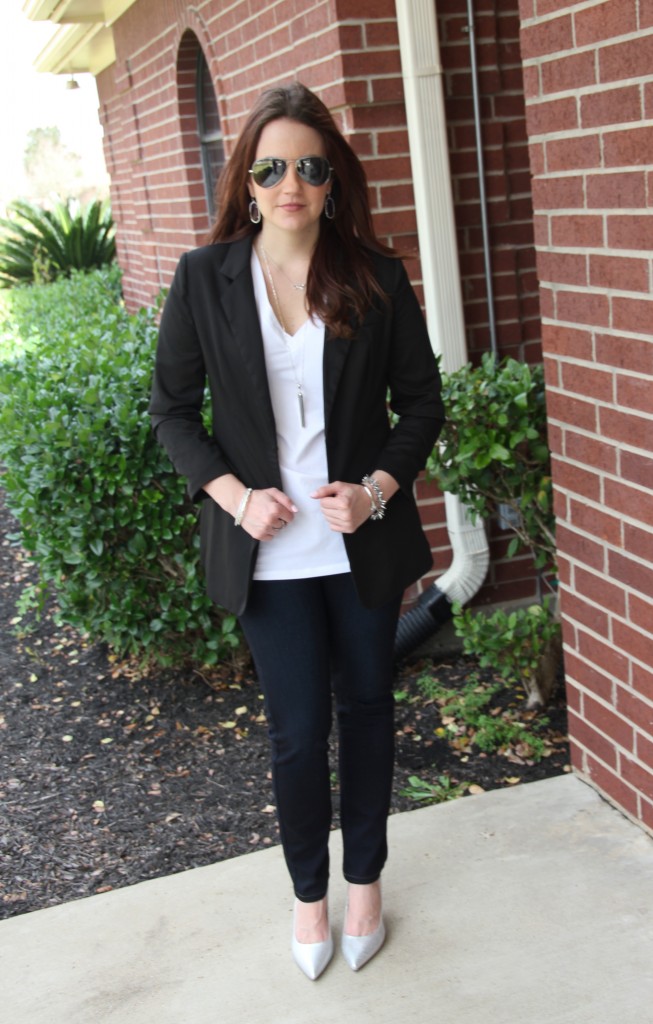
(96, 545)
(498, 452)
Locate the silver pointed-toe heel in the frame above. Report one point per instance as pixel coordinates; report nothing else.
(312, 957)
(358, 949)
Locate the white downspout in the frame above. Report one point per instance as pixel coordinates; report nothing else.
(422, 76)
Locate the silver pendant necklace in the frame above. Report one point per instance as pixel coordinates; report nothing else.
(297, 287)
(298, 380)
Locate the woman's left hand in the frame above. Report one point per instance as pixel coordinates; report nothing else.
(344, 506)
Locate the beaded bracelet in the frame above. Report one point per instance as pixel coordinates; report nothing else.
(377, 501)
(240, 512)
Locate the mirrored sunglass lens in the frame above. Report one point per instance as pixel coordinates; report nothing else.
(313, 169)
(267, 173)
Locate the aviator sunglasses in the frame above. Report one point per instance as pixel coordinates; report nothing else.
(270, 170)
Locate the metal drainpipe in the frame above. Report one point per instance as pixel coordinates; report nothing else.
(481, 177)
(422, 77)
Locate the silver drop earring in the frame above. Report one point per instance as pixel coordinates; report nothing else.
(329, 207)
(254, 212)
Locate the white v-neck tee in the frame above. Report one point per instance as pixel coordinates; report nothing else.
(307, 546)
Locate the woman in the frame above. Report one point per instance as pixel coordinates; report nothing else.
(301, 320)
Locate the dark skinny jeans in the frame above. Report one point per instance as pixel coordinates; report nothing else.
(310, 637)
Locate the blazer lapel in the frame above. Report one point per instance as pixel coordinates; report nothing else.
(239, 304)
(336, 351)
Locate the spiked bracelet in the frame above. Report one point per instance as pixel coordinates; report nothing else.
(375, 494)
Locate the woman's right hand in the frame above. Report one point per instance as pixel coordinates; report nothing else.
(267, 513)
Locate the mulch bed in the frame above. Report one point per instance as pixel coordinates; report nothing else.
(109, 777)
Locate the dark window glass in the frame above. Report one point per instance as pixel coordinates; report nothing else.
(209, 131)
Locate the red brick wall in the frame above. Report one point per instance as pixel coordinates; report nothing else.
(589, 84)
(349, 53)
(507, 174)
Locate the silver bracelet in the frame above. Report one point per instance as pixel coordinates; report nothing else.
(378, 502)
(371, 497)
(240, 512)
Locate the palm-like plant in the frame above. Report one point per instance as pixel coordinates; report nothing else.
(41, 245)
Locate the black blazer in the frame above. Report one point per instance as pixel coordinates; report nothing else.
(210, 330)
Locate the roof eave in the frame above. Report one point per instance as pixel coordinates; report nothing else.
(75, 49)
(84, 41)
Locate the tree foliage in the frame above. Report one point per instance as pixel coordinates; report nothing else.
(50, 167)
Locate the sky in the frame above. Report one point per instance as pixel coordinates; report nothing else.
(29, 99)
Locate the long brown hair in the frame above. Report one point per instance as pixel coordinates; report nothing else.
(341, 285)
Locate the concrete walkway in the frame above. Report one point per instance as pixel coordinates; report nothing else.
(525, 906)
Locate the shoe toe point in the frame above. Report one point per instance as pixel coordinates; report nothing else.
(359, 949)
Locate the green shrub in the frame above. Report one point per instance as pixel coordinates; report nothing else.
(523, 645)
(33, 316)
(9, 341)
(39, 245)
(493, 449)
(493, 453)
(101, 510)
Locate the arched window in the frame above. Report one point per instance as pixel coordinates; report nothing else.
(200, 131)
(208, 130)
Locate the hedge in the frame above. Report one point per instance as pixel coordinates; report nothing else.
(101, 510)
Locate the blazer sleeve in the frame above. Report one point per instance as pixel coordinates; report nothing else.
(178, 390)
(415, 388)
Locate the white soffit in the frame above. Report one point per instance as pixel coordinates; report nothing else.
(84, 40)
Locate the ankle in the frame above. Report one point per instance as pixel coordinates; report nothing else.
(363, 908)
(312, 921)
